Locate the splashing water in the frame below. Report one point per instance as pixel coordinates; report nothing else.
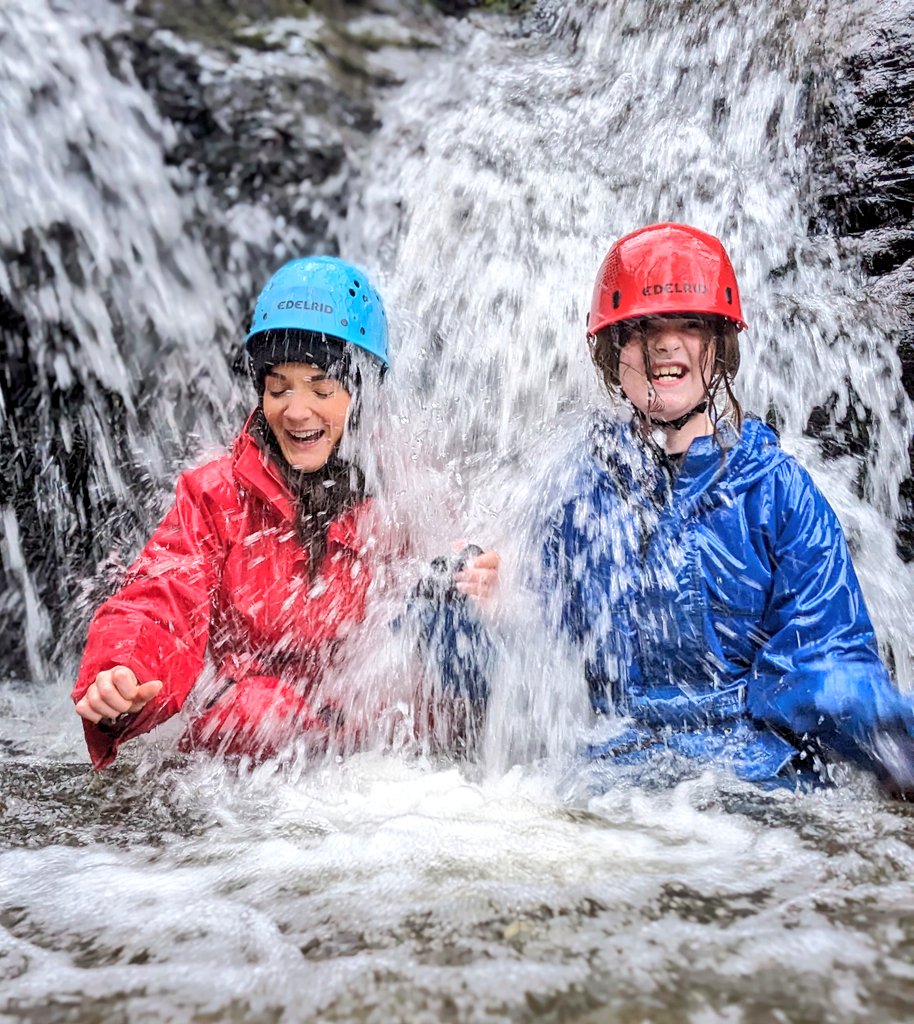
(510, 173)
(398, 888)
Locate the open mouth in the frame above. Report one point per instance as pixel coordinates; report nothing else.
(668, 373)
(304, 437)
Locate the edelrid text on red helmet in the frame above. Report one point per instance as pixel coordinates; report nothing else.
(664, 268)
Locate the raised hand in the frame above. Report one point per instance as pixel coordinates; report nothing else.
(479, 577)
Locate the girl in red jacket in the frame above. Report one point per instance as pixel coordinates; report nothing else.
(263, 562)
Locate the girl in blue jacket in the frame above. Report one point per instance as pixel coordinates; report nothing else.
(704, 575)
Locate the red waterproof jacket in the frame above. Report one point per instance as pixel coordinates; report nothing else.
(226, 573)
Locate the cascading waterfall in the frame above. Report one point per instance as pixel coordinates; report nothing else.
(119, 310)
(515, 168)
(409, 888)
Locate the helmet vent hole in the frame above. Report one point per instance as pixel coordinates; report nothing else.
(729, 292)
(617, 299)
(356, 284)
(361, 330)
(352, 292)
(344, 322)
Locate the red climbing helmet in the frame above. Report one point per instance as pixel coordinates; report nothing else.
(664, 268)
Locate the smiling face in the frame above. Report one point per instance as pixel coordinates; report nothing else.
(680, 355)
(306, 410)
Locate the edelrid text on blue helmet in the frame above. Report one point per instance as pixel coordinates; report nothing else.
(326, 295)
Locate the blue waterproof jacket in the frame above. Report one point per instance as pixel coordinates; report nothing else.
(719, 611)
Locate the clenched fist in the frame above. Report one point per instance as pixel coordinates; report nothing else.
(114, 692)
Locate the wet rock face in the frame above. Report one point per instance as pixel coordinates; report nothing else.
(872, 193)
(865, 195)
(876, 172)
(461, 7)
(268, 117)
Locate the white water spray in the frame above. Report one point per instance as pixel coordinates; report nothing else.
(398, 889)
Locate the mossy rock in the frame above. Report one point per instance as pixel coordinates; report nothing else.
(226, 24)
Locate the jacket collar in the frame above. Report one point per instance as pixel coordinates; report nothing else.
(257, 472)
(708, 468)
(712, 472)
(345, 531)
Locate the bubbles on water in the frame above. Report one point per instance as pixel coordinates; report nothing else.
(394, 887)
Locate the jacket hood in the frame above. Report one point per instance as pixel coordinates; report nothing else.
(256, 472)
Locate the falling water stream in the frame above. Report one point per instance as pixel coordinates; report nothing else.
(520, 884)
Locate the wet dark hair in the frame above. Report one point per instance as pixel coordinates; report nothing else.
(321, 496)
(606, 351)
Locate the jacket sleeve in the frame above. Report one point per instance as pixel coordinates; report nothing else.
(158, 623)
(819, 672)
(555, 587)
(452, 642)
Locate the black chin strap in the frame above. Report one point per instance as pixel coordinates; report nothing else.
(681, 421)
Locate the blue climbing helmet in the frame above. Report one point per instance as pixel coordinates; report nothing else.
(323, 295)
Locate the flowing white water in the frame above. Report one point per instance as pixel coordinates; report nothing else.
(394, 888)
(120, 308)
